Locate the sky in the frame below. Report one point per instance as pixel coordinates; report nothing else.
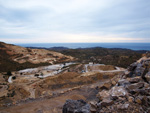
(74, 21)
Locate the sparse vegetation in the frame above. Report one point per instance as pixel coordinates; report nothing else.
(72, 79)
(13, 77)
(9, 73)
(36, 75)
(117, 57)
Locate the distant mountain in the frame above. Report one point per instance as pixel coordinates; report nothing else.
(15, 57)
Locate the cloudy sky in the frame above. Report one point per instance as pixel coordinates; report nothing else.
(56, 21)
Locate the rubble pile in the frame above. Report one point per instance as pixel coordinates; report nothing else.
(127, 93)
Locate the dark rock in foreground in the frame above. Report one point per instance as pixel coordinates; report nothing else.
(76, 106)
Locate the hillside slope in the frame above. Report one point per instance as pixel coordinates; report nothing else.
(15, 57)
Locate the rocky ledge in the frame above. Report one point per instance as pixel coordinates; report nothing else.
(127, 93)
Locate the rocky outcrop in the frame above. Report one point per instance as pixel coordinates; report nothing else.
(127, 93)
(132, 89)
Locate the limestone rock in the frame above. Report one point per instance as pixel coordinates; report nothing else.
(103, 94)
(123, 106)
(139, 70)
(113, 82)
(118, 91)
(123, 82)
(135, 86)
(106, 102)
(138, 100)
(147, 76)
(130, 99)
(132, 67)
(106, 86)
(135, 80)
(93, 106)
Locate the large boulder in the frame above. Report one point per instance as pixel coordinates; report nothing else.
(76, 106)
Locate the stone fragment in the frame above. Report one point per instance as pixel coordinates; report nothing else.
(135, 80)
(123, 82)
(132, 67)
(135, 86)
(130, 99)
(76, 106)
(106, 102)
(118, 92)
(93, 106)
(126, 72)
(113, 82)
(123, 106)
(147, 76)
(103, 94)
(105, 86)
(139, 70)
(138, 100)
(146, 85)
(148, 110)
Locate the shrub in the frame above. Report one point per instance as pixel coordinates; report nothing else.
(9, 73)
(13, 77)
(36, 75)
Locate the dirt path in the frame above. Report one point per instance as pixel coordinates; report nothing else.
(55, 104)
(118, 69)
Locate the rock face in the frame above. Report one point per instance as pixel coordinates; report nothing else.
(76, 106)
(127, 93)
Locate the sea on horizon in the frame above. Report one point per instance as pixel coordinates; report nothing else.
(132, 46)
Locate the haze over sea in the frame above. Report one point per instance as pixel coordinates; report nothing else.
(133, 46)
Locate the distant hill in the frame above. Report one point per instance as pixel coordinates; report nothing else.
(52, 48)
(114, 56)
(58, 48)
(15, 57)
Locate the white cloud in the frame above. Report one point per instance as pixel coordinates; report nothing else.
(74, 20)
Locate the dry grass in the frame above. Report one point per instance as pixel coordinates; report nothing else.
(102, 67)
(71, 79)
(107, 67)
